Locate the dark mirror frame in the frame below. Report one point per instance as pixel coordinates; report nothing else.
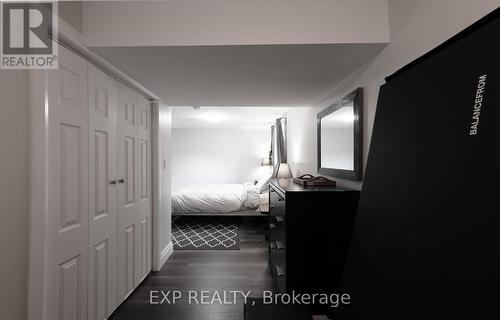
(355, 98)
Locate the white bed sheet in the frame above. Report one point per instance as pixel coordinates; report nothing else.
(215, 198)
(264, 202)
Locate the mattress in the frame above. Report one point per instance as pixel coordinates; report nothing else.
(215, 198)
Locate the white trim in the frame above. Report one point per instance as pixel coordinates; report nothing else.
(155, 175)
(165, 254)
(74, 41)
(105, 66)
(38, 197)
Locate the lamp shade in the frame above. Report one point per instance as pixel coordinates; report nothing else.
(265, 162)
(283, 171)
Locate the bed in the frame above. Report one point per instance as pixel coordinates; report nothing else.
(246, 199)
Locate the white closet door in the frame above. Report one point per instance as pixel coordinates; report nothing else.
(102, 198)
(128, 193)
(67, 220)
(144, 179)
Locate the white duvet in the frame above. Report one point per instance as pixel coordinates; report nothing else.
(215, 198)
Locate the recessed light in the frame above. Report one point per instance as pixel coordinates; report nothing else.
(212, 117)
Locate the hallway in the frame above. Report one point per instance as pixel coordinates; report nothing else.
(246, 269)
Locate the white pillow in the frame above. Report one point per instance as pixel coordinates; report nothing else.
(263, 181)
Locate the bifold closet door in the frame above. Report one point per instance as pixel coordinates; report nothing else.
(128, 192)
(98, 224)
(134, 191)
(66, 228)
(102, 197)
(144, 185)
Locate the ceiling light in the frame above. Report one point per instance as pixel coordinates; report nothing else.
(212, 117)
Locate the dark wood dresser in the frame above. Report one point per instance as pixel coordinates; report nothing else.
(309, 234)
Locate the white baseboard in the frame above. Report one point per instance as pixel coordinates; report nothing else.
(165, 254)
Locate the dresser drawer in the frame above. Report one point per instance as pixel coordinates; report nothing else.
(307, 249)
(276, 230)
(279, 273)
(277, 251)
(277, 235)
(276, 203)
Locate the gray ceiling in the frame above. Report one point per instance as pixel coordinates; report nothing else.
(271, 75)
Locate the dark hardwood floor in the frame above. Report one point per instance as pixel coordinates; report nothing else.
(246, 269)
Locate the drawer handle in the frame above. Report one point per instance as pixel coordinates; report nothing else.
(280, 271)
(280, 219)
(112, 182)
(281, 199)
(272, 226)
(122, 180)
(280, 245)
(272, 245)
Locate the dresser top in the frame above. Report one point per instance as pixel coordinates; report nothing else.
(287, 185)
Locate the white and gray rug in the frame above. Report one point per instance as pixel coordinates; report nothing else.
(206, 233)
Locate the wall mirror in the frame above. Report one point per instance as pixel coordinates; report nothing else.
(340, 138)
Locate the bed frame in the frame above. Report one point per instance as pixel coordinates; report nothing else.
(242, 213)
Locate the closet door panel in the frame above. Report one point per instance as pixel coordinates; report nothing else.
(144, 185)
(98, 282)
(67, 217)
(129, 259)
(102, 219)
(128, 192)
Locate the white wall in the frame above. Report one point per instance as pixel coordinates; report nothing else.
(71, 12)
(415, 28)
(301, 132)
(229, 22)
(14, 192)
(202, 156)
(165, 158)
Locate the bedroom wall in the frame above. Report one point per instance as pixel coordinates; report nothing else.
(301, 144)
(165, 192)
(415, 28)
(202, 156)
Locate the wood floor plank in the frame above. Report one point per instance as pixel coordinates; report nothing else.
(246, 269)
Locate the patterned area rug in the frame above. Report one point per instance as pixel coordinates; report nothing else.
(206, 233)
